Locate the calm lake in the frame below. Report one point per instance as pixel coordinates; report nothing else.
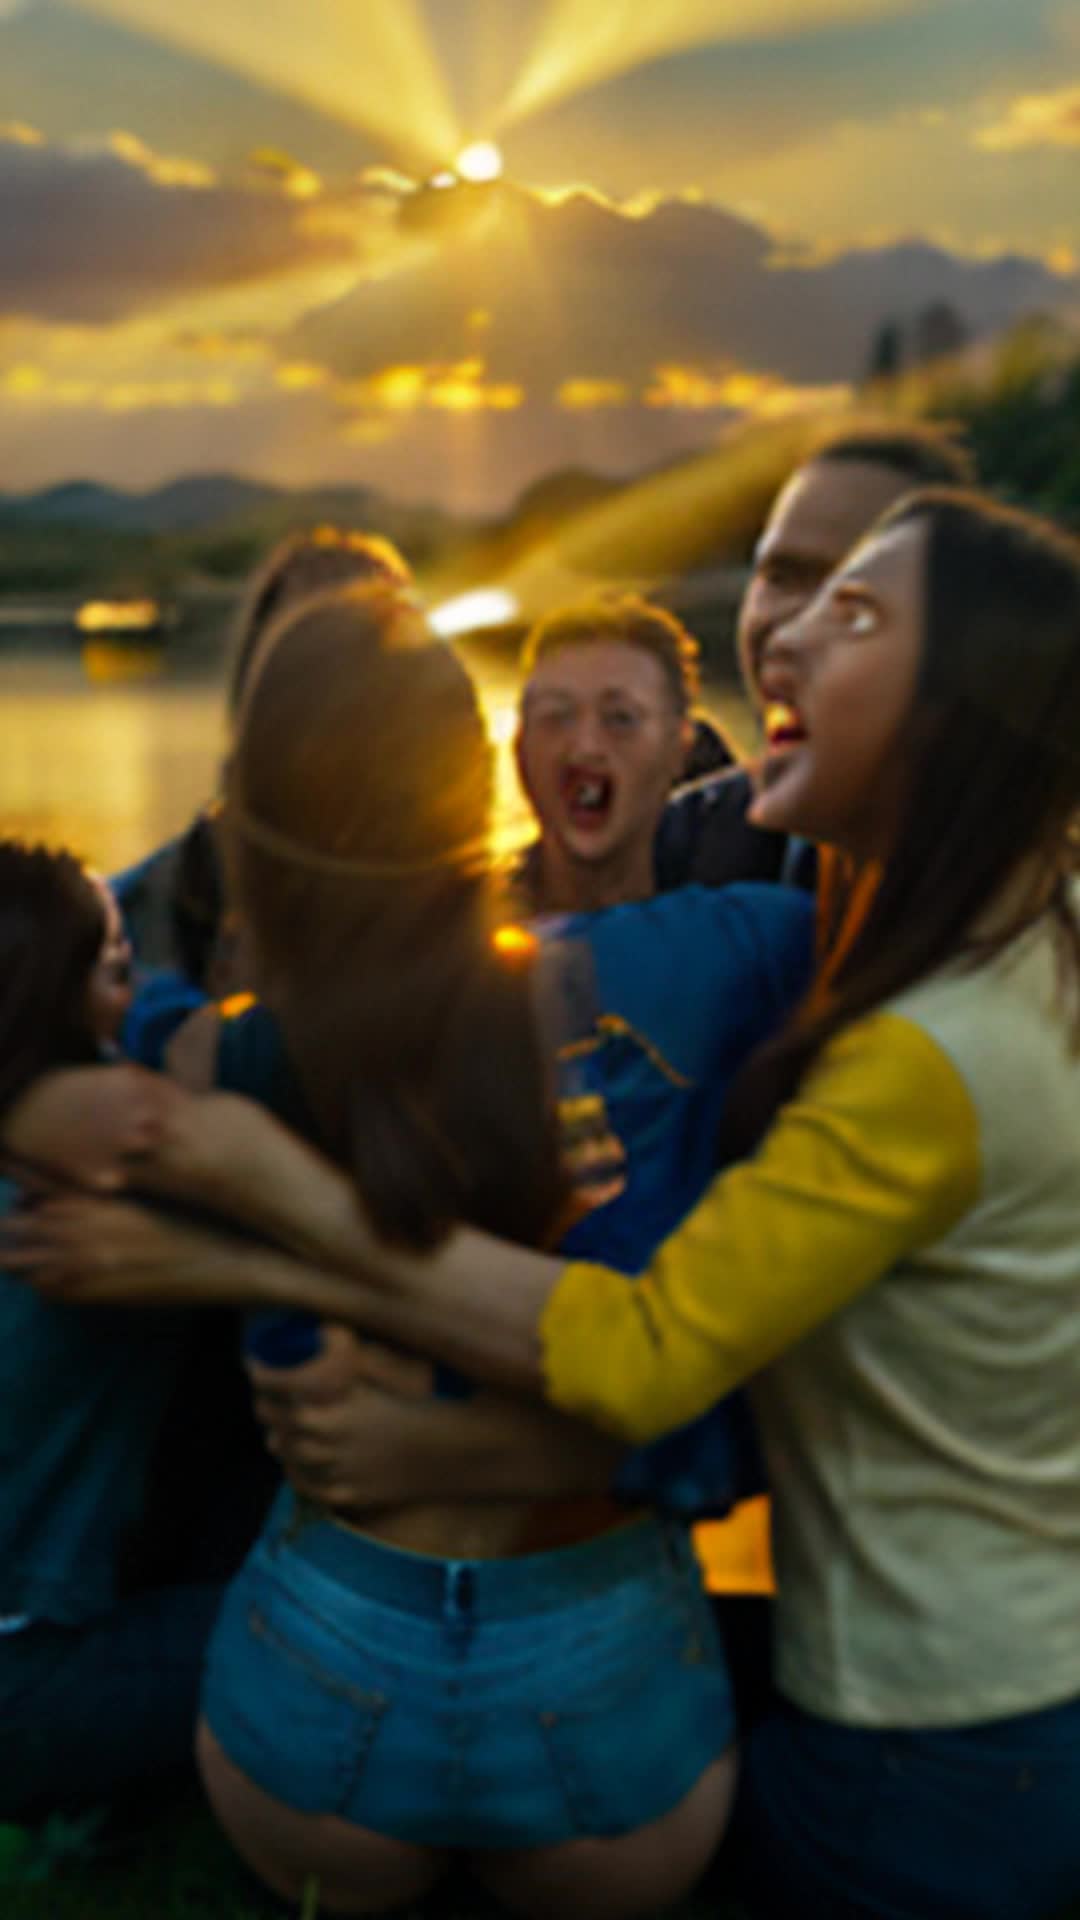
(110, 749)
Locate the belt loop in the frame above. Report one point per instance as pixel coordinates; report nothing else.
(459, 1593)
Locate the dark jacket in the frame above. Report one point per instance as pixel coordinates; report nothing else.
(705, 839)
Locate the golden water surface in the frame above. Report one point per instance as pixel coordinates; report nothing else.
(111, 750)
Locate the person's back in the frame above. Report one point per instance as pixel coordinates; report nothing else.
(659, 1065)
(422, 1067)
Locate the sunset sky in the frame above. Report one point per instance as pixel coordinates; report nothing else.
(212, 256)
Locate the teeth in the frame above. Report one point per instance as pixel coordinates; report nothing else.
(781, 721)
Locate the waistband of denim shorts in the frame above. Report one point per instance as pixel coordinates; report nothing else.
(647, 1545)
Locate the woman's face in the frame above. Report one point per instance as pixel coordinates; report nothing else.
(109, 992)
(838, 686)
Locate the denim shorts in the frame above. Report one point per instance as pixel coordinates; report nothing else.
(470, 1704)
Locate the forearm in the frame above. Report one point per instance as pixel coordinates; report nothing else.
(876, 1157)
(358, 1426)
(375, 1451)
(475, 1303)
(234, 1157)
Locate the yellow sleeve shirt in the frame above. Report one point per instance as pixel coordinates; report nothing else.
(877, 1154)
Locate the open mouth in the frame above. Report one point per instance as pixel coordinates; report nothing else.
(784, 734)
(587, 796)
(783, 726)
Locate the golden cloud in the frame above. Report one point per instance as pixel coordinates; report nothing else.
(298, 376)
(21, 380)
(43, 388)
(1035, 120)
(209, 344)
(163, 169)
(587, 396)
(684, 389)
(298, 181)
(453, 387)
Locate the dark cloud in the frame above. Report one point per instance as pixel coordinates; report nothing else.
(581, 290)
(95, 236)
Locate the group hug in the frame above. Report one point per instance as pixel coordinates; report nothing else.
(403, 1250)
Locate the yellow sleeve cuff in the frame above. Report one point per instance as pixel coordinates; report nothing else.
(876, 1156)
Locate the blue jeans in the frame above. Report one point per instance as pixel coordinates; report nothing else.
(964, 1823)
(94, 1713)
(470, 1704)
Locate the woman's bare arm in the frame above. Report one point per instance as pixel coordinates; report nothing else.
(476, 1303)
(87, 1125)
(107, 1128)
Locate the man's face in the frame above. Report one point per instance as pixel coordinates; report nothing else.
(818, 517)
(599, 744)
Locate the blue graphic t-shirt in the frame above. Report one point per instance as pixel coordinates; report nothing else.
(665, 999)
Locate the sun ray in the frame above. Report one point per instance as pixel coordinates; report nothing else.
(579, 43)
(371, 67)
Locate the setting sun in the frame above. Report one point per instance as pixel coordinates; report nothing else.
(479, 163)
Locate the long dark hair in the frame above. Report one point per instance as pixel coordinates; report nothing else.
(52, 924)
(357, 812)
(993, 783)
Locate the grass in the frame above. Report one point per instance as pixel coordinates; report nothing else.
(178, 1867)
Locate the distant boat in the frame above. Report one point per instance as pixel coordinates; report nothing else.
(117, 619)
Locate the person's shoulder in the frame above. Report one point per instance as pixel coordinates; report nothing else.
(250, 1050)
(758, 906)
(1003, 1024)
(164, 999)
(755, 929)
(705, 836)
(728, 791)
(155, 866)
(776, 920)
(711, 750)
(252, 1059)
